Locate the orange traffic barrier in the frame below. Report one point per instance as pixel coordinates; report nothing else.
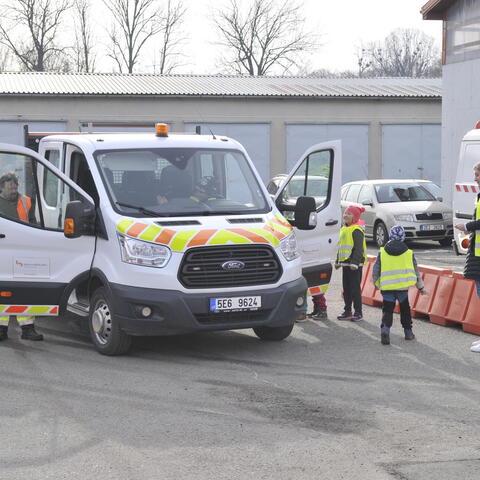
(369, 291)
(442, 300)
(424, 302)
(461, 293)
(471, 321)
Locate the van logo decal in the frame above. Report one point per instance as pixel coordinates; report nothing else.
(233, 265)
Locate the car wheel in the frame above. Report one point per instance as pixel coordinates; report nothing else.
(380, 234)
(273, 334)
(105, 332)
(445, 242)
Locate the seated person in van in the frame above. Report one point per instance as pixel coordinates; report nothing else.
(174, 183)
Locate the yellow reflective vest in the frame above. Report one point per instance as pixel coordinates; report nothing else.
(397, 272)
(477, 233)
(345, 243)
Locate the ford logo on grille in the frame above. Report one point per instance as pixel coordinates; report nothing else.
(233, 265)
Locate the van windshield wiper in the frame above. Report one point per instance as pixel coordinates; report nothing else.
(146, 211)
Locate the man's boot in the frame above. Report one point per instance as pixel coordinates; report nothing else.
(29, 333)
(3, 333)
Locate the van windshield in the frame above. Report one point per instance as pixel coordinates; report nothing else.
(180, 182)
(402, 192)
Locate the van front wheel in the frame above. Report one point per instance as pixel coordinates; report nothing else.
(105, 332)
(273, 334)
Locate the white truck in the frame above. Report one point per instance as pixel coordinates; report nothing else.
(163, 234)
(466, 190)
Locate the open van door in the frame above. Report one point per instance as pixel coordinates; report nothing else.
(39, 264)
(317, 174)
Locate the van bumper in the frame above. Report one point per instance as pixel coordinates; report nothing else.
(174, 312)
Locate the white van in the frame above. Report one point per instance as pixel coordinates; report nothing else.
(163, 234)
(466, 190)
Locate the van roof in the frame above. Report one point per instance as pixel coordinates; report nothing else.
(111, 141)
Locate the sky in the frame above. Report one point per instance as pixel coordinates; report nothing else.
(342, 24)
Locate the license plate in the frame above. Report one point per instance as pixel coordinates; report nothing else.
(235, 304)
(431, 227)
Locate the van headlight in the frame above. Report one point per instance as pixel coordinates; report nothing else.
(143, 253)
(406, 217)
(289, 247)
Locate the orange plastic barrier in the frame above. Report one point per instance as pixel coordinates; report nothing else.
(471, 321)
(461, 294)
(370, 294)
(424, 302)
(442, 300)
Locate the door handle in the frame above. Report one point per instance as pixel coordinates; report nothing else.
(331, 222)
(2, 235)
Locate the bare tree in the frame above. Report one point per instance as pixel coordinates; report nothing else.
(403, 53)
(170, 22)
(269, 35)
(83, 48)
(135, 22)
(29, 28)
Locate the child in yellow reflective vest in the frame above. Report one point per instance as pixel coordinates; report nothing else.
(351, 257)
(394, 271)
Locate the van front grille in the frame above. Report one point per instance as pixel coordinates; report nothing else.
(201, 267)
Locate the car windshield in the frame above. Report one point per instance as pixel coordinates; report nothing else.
(433, 188)
(180, 182)
(402, 192)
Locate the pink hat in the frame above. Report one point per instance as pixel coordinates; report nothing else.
(355, 211)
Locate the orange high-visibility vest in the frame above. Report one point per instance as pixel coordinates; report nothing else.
(23, 207)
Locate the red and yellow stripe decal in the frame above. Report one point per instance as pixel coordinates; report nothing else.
(43, 310)
(318, 289)
(273, 231)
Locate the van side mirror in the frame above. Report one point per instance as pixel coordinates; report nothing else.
(79, 219)
(305, 213)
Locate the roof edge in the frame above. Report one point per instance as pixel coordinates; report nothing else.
(435, 9)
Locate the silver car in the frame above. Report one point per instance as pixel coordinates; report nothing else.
(414, 204)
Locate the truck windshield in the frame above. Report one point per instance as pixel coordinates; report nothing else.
(180, 182)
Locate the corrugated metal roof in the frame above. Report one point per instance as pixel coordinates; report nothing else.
(56, 84)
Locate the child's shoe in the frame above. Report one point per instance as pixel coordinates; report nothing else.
(356, 317)
(344, 316)
(313, 313)
(320, 315)
(475, 348)
(385, 335)
(409, 334)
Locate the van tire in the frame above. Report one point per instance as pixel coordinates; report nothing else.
(445, 242)
(105, 332)
(273, 334)
(380, 234)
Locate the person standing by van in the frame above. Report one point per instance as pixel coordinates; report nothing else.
(351, 257)
(472, 264)
(17, 206)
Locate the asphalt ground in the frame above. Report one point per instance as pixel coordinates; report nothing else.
(330, 402)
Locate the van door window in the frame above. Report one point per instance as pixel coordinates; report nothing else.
(80, 173)
(311, 179)
(51, 182)
(25, 185)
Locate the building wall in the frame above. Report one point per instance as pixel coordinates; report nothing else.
(461, 111)
(277, 113)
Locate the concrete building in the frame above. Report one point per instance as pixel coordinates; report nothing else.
(389, 127)
(461, 74)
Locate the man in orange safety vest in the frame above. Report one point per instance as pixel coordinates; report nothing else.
(18, 207)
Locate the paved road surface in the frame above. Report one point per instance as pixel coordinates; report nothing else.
(329, 403)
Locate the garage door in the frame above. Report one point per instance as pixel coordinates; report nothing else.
(12, 132)
(118, 127)
(354, 139)
(412, 151)
(255, 137)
